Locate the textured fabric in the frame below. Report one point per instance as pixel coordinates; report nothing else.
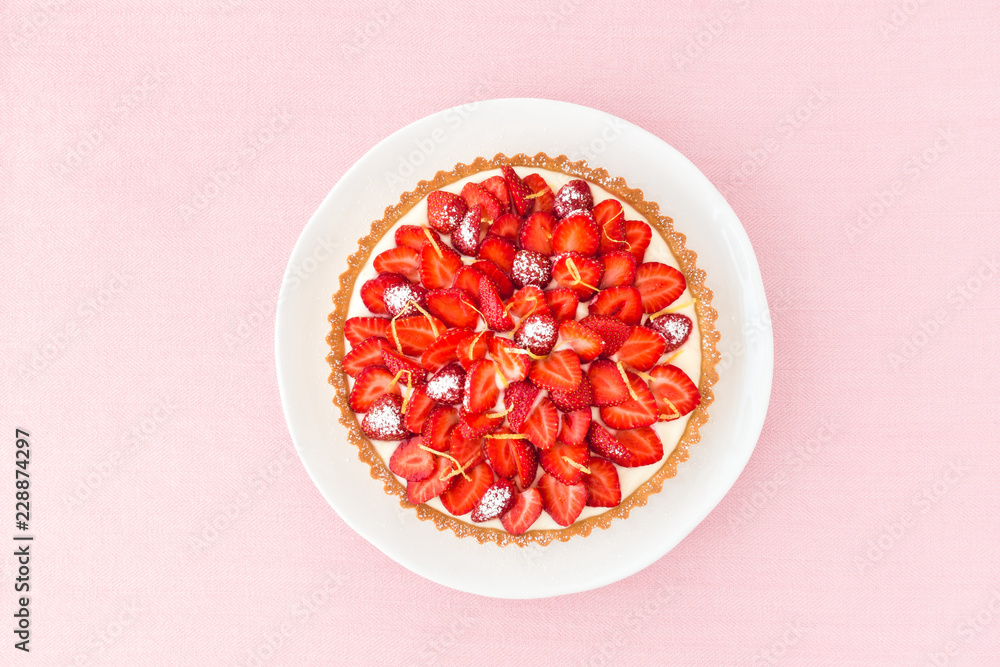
(159, 161)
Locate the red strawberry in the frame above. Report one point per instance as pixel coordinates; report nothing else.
(368, 353)
(577, 233)
(447, 384)
(500, 457)
(607, 445)
(404, 299)
(637, 238)
(453, 307)
(499, 251)
(619, 269)
(565, 462)
(643, 444)
(603, 487)
(542, 424)
(527, 301)
(358, 329)
(559, 370)
(432, 487)
(438, 427)
(642, 349)
(632, 412)
(468, 232)
(606, 383)
(384, 419)
(418, 409)
(444, 210)
(412, 372)
(574, 196)
(562, 302)
(536, 233)
(474, 193)
(464, 494)
(674, 327)
(574, 426)
(499, 498)
(659, 285)
(497, 187)
(676, 395)
(537, 333)
(410, 462)
(621, 303)
(492, 307)
(438, 266)
(369, 386)
(467, 451)
(586, 342)
(610, 218)
(525, 460)
(510, 359)
(416, 236)
(444, 349)
(518, 399)
(478, 424)
(578, 273)
(507, 227)
(505, 288)
(467, 279)
(518, 189)
(523, 513)
(371, 291)
(542, 197)
(563, 502)
(403, 260)
(473, 346)
(574, 399)
(531, 268)
(414, 334)
(481, 392)
(612, 331)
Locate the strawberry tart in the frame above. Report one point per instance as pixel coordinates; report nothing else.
(523, 349)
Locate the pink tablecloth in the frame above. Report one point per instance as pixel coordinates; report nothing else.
(159, 161)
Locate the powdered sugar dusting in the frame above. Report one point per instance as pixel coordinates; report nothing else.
(675, 329)
(497, 500)
(531, 268)
(384, 420)
(537, 333)
(573, 196)
(447, 385)
(400, 299)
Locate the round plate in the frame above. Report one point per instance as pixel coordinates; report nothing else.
(512, 126)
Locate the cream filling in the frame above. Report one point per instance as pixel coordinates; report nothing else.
(688, 356)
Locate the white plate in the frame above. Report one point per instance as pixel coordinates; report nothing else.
(529, 126)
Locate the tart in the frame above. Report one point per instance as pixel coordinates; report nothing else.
(523, 349)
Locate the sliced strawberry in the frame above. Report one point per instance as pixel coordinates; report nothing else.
(473, 346)
(574, 426)
(586, 342)
(610, 218)
(606, 383)
(499, 251)
(497, 186)
(500, 456)
(404, 299)
(369, 386)
(481, 391)
(453, 307)
(492, 307)
(566, 463)
(563, 502)
(518, 189)
(403, 260)
(384, 419)
(574, 196)
(507, 227)
(505, 288)
(444, 210)
(577, 233)
(528, 300)
(523, 513)
(603, 487)
(412, 372)
(464, 494)
(512, 361)
(418, 409)
(438, 266)
(359, 329)
(614, 332)
(525, 460)
(410, 462)
(371, 291)
(632, 412)
(467, 280)
(619, 269)
(438, 427)
(574, 399)
(531, 268)
(467, 451)
(446, 385)
(621, 303)
(659, 285)
(537, 333)
(542, 424)
(368, 353)
(416, 236)
(562, 302)
(499, 498)
(578, 273)
(432, 487)
(642, 349)
(518, 399)
(674, 327)
(542, 197)
(607, 445)
(474, 194)
(414, 334)
(478, 424)
(467, 234)
(675, 393)
(643, 444)
(559, 370)
(536, 233)
(637, 238)
(444, 349)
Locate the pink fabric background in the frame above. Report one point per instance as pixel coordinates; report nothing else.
(175, 524)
